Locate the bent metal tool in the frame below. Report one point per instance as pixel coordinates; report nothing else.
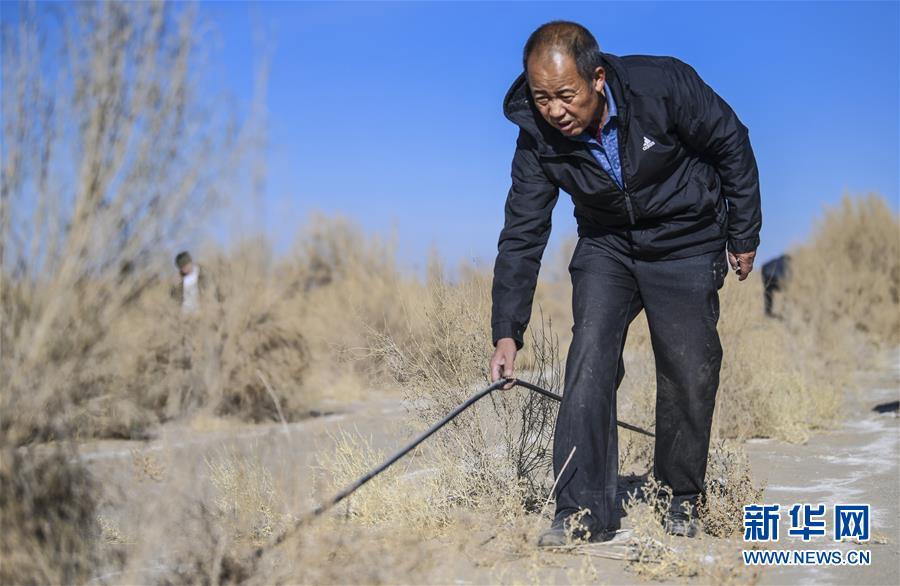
(412, 445)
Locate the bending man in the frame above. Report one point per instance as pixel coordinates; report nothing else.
(664, 180)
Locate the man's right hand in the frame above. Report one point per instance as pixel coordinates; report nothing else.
(503, 360)
(741, 263)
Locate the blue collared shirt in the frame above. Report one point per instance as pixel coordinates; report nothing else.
(606, 150)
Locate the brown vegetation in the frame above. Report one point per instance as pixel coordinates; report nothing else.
(845, 283)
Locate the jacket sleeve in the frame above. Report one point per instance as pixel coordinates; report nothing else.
(529, 207)
(708, 125)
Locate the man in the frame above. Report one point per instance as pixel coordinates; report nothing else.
(663, 179)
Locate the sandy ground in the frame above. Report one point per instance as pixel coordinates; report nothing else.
(855, 463)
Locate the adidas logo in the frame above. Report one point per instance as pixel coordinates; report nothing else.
(647, 143)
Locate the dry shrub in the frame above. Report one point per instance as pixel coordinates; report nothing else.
(48, 512)
(419, 507)
(501, 445)
(110, 533)
(209, 556)
(102, 165)
(654, 554)
(258, 357)
(404, 526)
(416, 499)
(242, 354)
(657, 555)
(246, 500)
(846, 278)
(728, 488)
(343, 281)
(147, 466)
(336, 552)
(771, 384)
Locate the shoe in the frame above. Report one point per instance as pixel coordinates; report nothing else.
(556, 536)
(679, 523)
(553, 537)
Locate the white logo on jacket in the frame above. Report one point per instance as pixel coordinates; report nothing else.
(647, 143)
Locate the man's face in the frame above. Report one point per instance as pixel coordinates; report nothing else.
(565, 100)
(186, 269)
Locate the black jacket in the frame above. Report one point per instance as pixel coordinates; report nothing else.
(691, 191)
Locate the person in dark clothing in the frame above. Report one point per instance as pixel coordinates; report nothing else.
(774, 274)
(666, 194)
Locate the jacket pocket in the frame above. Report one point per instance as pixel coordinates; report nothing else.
(722, 213)
(708, 196)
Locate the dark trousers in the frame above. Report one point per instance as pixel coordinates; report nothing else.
(682, 303)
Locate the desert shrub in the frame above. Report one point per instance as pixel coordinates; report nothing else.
(241, 354)
(48, 512)
(846, 278)
(729, 487)
(102, 166)
(771, 384)
(415, 498)
(501, 444)
(342, 283)
(246, 501)
(657, 555)
(654, 553)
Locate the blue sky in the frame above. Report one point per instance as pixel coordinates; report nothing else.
(390, 113)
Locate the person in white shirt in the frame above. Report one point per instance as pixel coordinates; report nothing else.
(188, 289)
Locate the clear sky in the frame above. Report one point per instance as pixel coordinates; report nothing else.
(390, 113)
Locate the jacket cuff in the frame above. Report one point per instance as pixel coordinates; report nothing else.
(739, 246)
(509, 330)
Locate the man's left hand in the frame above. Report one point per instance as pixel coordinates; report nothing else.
(742, 263)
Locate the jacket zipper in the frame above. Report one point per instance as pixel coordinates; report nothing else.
(621, 144)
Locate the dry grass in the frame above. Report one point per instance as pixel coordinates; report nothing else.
(501, 445)
(657, 555)
(729, 487)
(334, 552)
(96, 135)
(48, 512)
(246, 501)
(844, 283)
(400, 496)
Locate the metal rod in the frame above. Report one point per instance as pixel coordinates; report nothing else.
(412, 445)
(556, 397)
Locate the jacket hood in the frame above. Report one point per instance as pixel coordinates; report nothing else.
(519, 109)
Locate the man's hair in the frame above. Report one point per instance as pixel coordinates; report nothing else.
(182, 258)
(569, 38)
